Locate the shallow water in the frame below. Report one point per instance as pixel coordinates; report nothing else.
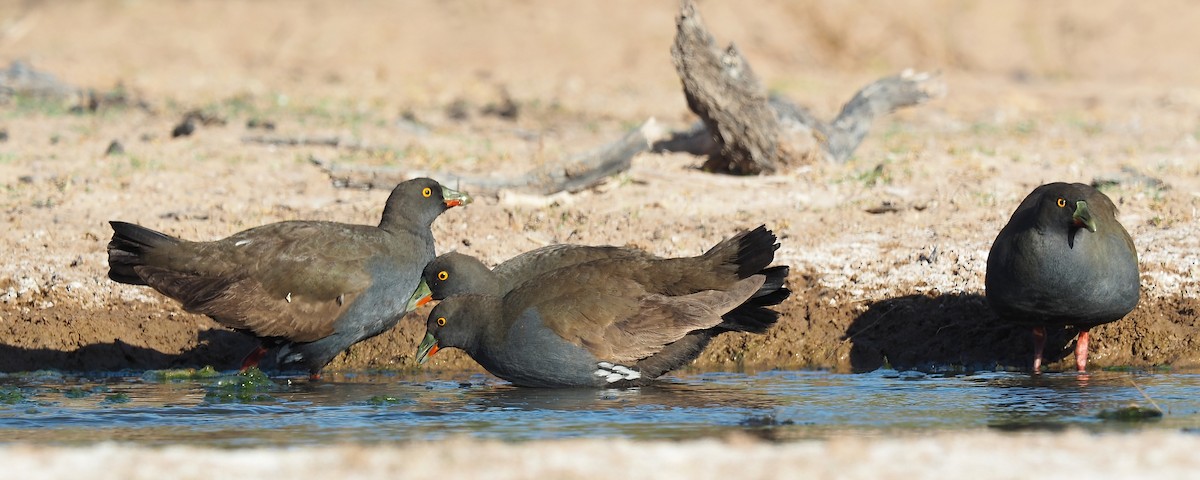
(64, 408)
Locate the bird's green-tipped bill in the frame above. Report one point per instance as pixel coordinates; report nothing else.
(427, 348)
(420, 297)
(454, 198)
(1083, 216)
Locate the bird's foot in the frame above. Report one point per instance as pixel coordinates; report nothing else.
(1081, 351)
(1039, 344)
(253, 358)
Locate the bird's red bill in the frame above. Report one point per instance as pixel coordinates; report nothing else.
(424, 300)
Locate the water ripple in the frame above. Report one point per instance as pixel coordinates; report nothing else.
(782, 405)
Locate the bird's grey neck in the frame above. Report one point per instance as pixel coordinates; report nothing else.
(401, 224)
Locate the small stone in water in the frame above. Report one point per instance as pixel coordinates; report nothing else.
(1132, 413)
(383, 400)
(76, 392)
(117, 398)
(10, 396)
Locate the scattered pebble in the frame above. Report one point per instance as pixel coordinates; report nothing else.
(115, 148)
(458, 110)
(255, 123)
(185, 128)
(506, 108)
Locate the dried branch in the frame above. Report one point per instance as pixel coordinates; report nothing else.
(722, 89)
(746, 132)
(576, 173)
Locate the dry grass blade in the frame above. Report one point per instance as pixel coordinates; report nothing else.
(1147, 397)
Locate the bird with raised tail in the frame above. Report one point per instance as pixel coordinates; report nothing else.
(1063, 260)
(617, 321)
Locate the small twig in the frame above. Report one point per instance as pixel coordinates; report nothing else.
(317, 141)
(872, 324)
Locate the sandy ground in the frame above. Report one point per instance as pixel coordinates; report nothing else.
(1071, 91)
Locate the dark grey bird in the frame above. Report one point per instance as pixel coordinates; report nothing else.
(1063, 260)
(311, 288)
(617, 321)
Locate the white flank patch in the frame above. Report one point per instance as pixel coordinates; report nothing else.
(240, 243)
(616, 373)
(288, 297)
(287, 356)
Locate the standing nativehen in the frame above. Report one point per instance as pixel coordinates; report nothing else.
(312, 288)
(622, 320)
(1063, 259)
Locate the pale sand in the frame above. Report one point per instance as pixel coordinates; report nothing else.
(973, 455)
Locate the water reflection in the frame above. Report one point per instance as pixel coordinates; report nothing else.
(1057, 401)
(781, 405)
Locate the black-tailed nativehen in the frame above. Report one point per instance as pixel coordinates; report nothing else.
(617, 321)
(1063, 260)
(311, 288)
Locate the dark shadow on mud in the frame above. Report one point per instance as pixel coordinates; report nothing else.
(944, 332)
(222, 349)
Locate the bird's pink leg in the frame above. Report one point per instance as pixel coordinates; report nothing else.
(1081, 348)
(253, 358)
(1039, 344)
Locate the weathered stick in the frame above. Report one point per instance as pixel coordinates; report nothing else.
(314, 141)
(722, 89)
(577, 173)
(746, 132)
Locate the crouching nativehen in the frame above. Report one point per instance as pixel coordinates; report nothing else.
(1063, 260)
(620, 319)
(311, 288)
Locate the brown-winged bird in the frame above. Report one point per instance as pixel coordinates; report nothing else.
(311, 288)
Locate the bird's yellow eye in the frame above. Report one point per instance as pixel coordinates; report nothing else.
(426, 192)
(1062, 202)
(442, 275)
(441, 321)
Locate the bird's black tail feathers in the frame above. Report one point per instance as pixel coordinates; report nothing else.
(128, 247)
(755, 315)
(749, 252)
(755, 252)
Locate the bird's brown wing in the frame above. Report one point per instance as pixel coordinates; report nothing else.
(615, 317)
(533, 263)
(662, 319)
(244, 304)
(290, 280)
